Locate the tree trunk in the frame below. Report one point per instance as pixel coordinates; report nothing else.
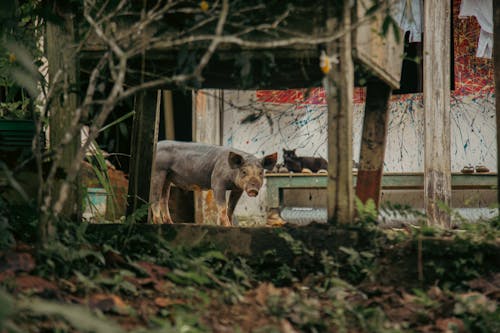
(496, 60)
(61, 48)
(437, 166)
(339, 89)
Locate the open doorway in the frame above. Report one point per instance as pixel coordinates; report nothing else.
(176, 124)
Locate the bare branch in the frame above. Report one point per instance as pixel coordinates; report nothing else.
(213, 45)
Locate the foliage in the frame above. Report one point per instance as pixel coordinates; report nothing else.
(366, 213)
(183, 287)
(20, 31)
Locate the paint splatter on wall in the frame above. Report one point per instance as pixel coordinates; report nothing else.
(298, 118)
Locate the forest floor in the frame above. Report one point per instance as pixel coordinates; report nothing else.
(132, 283)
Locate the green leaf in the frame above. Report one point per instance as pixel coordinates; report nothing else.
(6, 306)
(78, 316)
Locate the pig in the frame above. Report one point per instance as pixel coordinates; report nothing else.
(198, 166)
(295, 163)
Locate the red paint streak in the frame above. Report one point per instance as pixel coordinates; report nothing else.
(472, 74)
(368, 185)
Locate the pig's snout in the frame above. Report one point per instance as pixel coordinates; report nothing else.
(253, 186)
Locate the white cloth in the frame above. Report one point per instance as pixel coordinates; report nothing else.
(482, 10)
(408, 14)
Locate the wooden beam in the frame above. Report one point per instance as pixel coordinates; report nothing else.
(373, 141)
(339, 89)
(168, 114)
(496, 61)
(207, 106)
(437, 165)
(61, 56)
(143, 148)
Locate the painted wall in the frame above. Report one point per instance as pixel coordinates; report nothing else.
(293, 120)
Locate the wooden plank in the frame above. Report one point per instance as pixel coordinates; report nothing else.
(437, 163)
(390, 181)
(143, 149)
(61, 55)
(496, 62)
(339, 89)
(207, 106)
(383, 55)
(373, 141)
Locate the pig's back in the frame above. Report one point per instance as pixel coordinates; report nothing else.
(188, 155)
(192, 163)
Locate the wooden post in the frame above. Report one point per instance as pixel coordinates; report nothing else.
(437, 172)
(143, 148)
(207, 106)
(168, 114)
(371, 160)
(496, 60)
(61, 56)
(339, 89)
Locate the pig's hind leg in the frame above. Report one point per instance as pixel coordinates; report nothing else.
(160, 188)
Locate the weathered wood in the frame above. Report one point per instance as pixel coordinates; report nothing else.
(436, 59)
(168, 114)
(373, 141)
(143, 148)
(207, 106)
(390, 181)
(496, 61)
(339, 89)
(61, 55)
(383, 55)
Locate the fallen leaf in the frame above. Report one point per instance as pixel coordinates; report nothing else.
(108, 303)
(34, 284)
(6, 275)
(485, 287)
(450, 325)
(435, 293)
(17, 262)
(114, 259)
(163, 302)
(286, 327)
(153, 270)
(263, 291)
(67, 285)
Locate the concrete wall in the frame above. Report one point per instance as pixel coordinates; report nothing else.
(303, 126)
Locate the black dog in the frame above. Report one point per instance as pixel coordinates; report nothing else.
(296, 163)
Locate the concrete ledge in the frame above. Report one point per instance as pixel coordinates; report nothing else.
(240, 241)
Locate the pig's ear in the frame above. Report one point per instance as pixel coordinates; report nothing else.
(235, 160)
(269, 161)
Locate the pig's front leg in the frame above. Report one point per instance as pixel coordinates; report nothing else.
(157, 182)
(233, 200)
(220, 200)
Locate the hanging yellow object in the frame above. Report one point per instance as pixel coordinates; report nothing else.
(204, 5)
(324, 63)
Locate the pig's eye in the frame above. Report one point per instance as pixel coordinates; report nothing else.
(243, 172)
